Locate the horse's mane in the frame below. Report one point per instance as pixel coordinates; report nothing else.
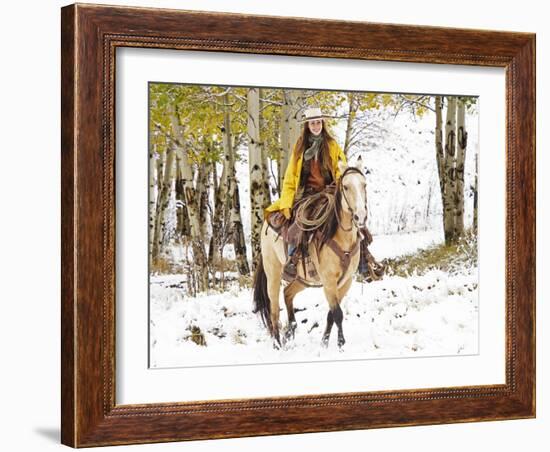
(327, 230)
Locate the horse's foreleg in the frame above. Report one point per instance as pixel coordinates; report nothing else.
(338, 315)
(338, 318)
(335, 314)
(328, 329)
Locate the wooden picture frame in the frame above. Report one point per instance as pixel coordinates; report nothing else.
(90, 36)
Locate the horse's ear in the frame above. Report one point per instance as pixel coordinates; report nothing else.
(341, 166)
(363, 168)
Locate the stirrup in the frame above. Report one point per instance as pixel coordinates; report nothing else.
(363, 268)
(290, 269)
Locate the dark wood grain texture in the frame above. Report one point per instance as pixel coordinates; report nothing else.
(90, 36)
(68, 298)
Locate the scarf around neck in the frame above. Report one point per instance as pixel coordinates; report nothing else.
(314, 146)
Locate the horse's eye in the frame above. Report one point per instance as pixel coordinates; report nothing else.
(345, 188)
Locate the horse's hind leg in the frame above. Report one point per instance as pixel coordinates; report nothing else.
(272, 262)
(290, 292)
(273, 287)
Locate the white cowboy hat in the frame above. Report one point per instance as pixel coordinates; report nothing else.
(312, 113)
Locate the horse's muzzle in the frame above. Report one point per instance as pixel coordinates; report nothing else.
(360, 222)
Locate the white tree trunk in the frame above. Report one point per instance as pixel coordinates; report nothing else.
(290, 128)
(220, 212)
(352, 112)
(439, 152)
(190, 194)
(152, 197)
(285, 140)
(182, 228)
(204, 190)
(235, 220)
(162, 205)
(265, 160)
(295, 127)
(258, 180)
(462, 142)
(160, 170)
(449, 207)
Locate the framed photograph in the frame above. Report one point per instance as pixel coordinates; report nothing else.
(267, 230)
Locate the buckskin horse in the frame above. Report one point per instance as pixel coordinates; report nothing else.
(333, 251)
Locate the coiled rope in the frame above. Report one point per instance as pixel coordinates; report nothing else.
(323, 205)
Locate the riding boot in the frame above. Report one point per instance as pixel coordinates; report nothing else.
(363, 268)
(369, 267)
(367, 236)
(291, 268)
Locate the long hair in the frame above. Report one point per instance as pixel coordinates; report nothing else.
(303, 143)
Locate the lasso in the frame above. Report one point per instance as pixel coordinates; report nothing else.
(323, 201)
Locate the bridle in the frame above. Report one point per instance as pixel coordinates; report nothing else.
(323, 212)
(348, 170)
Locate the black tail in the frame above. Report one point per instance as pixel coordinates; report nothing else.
(262, 305)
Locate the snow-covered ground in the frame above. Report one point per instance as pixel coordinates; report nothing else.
(394, 245)
(434, 314)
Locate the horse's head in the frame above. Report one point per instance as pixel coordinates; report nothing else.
(352, 186)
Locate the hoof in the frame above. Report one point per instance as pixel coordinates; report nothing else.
(291, 331)
(324, 341)
(277, 341)
(341, 342)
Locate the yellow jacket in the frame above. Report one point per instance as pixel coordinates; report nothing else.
(292, 177)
